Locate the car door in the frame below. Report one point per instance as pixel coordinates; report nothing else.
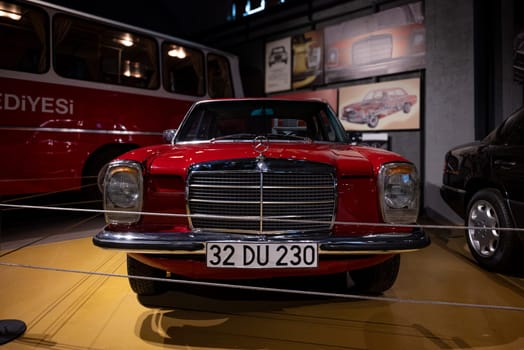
(507, 163)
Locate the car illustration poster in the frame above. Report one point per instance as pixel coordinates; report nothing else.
(278, 65)
(386, 42)
(391, 105)
(308, 59)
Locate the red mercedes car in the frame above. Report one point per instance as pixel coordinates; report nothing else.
(261, 188)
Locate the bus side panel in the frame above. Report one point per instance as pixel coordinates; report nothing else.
(47, 131)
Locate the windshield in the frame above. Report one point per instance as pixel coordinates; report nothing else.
(374, 95)
(510, 131)
(276, 119)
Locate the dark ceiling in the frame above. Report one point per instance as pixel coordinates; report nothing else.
(205, 21)
(185, 19)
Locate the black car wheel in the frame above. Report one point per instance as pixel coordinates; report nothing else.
(406, 108)
(144, 286)
(373, 121)
(492, 248)
(378, 278)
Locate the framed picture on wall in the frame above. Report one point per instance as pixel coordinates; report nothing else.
(386, 42)
(308, 57)
(278, 65)
(391, 105)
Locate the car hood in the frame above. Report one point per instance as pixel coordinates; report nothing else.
(348, 160)
(467, 148)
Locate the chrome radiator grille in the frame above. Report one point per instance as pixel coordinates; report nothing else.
(253, 202)
(373, 49)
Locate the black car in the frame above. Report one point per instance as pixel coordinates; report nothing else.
(278, 54)
(483, 182)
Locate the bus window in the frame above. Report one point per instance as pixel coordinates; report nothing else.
(90, 51)
(183, 69)
(219, 76)
(23, 31)
(81, 100)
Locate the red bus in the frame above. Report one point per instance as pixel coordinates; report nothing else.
(76, 90)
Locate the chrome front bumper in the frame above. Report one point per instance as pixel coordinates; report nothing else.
(191, 243)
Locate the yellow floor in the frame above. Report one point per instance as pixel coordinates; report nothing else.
(77, 310)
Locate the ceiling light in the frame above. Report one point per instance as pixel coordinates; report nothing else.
(132, 69)
(125, 40)
(177, 52)
(10, 11)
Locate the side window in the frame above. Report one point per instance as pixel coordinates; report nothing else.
(513, 131)
(219, 76)
(90, 51)
(328, 132)
(183, 69)
(23, 34)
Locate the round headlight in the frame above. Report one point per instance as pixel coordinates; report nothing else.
(123, 189)
(399, 191)
(333, 56)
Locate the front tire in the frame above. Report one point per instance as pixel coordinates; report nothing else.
(373, 121)
(144, 287)
(378, 278)
(492, 248)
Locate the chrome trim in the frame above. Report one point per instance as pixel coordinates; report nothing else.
(261, 197)
(190, 243)
(237, 170)
(260, 145)
(77, 130)
(111, 209)
(269, 187)
(413, 212)
(251, 141)
(261, 202)
(454, 189)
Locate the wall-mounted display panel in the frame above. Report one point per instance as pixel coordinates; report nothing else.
(278, 65)
(308, 58)
(391, 105)
(386, 42)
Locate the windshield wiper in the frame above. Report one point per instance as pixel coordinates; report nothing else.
(250, 136)
(238, 136)
(288, 137)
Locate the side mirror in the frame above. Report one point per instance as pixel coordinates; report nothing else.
(169, 135)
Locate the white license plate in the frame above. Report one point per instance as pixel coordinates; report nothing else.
(261, 255)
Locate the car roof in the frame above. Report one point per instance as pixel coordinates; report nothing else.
(262, 99)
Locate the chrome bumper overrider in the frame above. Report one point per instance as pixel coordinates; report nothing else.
(190, 243)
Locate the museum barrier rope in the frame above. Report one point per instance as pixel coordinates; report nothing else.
(277, 290)
(232, 217)
(6, 206)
